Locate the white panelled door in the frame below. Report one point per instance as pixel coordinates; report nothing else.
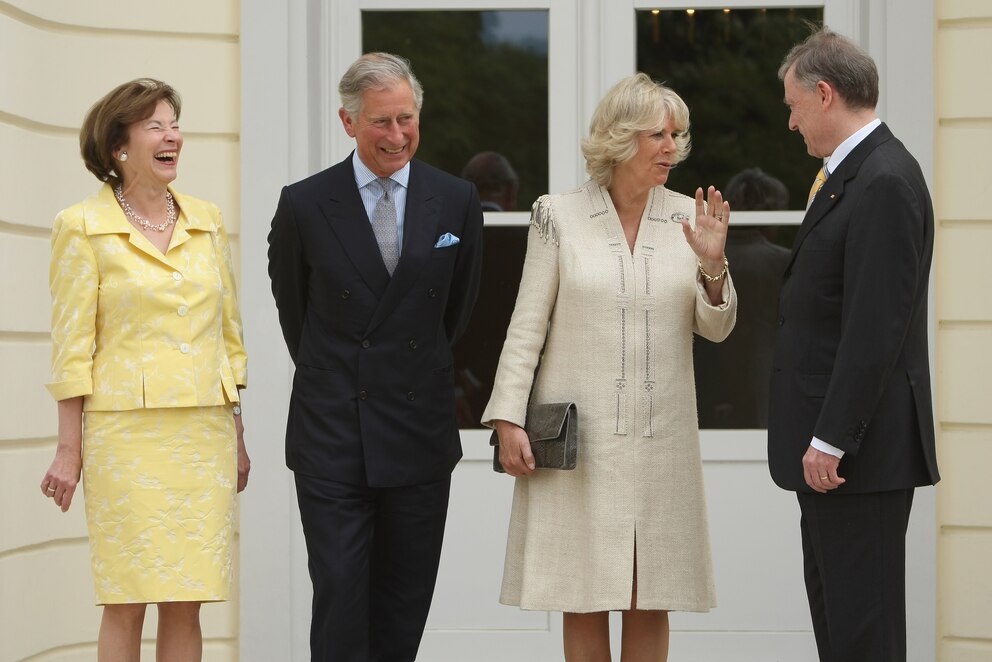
(293, 56)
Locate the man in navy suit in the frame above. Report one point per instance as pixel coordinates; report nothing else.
(375, 266)
(850, 422)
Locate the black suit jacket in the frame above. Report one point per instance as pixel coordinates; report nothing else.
(373, 394)
(850, 363)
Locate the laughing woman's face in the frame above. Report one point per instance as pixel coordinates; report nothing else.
(153, 147)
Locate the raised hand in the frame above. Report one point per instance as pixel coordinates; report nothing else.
(709, 236)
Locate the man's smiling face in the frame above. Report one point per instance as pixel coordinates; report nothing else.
(387, 128)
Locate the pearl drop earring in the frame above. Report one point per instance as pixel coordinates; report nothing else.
(123, 156)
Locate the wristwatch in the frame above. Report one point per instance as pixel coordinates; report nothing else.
(237, 410)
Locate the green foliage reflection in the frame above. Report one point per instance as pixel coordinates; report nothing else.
(725, 66)
(480, 93)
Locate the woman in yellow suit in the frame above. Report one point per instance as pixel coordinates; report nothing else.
(147, 362)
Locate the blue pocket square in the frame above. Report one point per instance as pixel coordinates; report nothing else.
(446, 239)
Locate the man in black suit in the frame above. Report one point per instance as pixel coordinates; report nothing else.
(375, 267)
(850, 421)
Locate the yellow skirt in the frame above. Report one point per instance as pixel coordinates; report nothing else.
(160, 487)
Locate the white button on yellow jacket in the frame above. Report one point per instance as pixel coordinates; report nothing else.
(134, 328)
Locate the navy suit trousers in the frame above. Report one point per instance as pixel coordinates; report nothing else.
(373, 559)
(854, 550)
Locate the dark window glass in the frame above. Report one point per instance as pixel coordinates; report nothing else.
(732, 376)
(477, 352)
(485, 79)
(724, 64)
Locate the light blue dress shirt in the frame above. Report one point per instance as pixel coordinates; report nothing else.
(371, 191)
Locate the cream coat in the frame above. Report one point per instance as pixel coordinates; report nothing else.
(619, 344)
(133, 328)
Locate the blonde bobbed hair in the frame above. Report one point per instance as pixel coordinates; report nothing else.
(633, 105)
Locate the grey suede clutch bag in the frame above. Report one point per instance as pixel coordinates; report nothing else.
(553, 430)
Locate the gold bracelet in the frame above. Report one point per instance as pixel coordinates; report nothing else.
(713, 279)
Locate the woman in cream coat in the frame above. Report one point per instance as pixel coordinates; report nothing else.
(619, 274)
(147, 362)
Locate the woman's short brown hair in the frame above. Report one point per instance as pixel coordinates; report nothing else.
(106, 125)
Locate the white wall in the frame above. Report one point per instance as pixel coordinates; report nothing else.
(57, 59)
(963, 101)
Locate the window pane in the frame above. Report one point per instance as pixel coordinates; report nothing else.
(485, 78)
(732, 376)
(477, 352)
(724, 64)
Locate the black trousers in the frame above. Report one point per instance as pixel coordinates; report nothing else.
(854, 551)
(373, 559)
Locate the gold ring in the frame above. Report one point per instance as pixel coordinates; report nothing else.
(824, 477)
(51, 490)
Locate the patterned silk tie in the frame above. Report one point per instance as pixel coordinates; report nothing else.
(384, 225)
(821, 177)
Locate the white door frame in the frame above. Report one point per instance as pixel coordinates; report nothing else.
(288, 130)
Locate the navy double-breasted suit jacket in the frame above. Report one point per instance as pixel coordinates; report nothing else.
(373, 394)
(850, 363)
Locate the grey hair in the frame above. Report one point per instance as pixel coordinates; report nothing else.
(376, 71)
(838, 61)
(633, 105)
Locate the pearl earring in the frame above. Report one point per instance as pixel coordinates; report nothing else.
(123, 156)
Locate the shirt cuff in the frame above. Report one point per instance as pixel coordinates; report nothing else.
(824, 447)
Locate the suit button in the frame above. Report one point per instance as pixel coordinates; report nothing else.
(413, 344)
(781, 321)
(362, 395)
(345, 294)
(432, 293)
(411, 396)
(366, 344)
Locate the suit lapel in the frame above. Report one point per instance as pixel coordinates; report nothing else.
(833, 189)
(420, 224)
(346, 215)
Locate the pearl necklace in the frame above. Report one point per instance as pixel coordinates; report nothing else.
(170, 213)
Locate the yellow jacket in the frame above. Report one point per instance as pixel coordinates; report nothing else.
(134, 328)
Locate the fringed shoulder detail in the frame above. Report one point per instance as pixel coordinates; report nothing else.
(543, 219)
